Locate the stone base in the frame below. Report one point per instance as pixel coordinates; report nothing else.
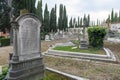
(83, 44)
(26, 70)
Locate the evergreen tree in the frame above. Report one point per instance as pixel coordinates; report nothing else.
(78, 22)
(88, 20)
(53, 20)
(71, 23)
(116, 17)
(74, 22)
(112, 16)
(46, 19)
(55, 15)
(60, 19)
(85, 20)
(23, 4)
(64, 20)
(81, 22)
(119, 16)
(39, 10)
(4, 15)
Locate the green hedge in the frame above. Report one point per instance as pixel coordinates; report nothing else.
(96, 36)
(5, 42)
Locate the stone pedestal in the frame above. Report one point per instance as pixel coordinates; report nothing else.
(26, 70)
(83, 44)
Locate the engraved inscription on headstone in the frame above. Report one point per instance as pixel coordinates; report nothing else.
(29, 38)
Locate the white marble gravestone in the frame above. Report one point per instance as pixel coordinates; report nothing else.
(47, 38)
(51, 36)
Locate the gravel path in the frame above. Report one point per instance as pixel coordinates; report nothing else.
(4, 51)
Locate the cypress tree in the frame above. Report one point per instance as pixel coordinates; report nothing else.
(88, 20)
(60, 19)
(46, 19)
(112, 16)
(53, 21)
(55, 15)
(78, 22)
(81, 22)
(39, 10)
(64, 20)
(119, 16)
(85, 20)
(70, 23)
(116, 17)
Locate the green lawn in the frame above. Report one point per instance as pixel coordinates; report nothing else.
(89, 50)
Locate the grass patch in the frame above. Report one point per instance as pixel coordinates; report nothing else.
(89, 50)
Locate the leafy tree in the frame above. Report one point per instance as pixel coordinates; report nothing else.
(4, 15)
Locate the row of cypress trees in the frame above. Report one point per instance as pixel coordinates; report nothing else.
(48, 18)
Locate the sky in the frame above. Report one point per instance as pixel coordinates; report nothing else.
(98, 9)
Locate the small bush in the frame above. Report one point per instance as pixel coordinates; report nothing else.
(5, 41)
(4, 73)
(43, 35)
(96, 36)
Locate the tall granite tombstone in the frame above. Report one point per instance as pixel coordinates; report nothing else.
(26, 62)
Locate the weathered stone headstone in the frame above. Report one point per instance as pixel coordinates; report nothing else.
(47, 38)
(26, 62)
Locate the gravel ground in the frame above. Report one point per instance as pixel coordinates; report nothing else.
(4, 51)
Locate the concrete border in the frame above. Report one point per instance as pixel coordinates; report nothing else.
(72, 77)
(108, 57)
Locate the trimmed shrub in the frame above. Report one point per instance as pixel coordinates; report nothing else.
(5, 42)
(96, 36)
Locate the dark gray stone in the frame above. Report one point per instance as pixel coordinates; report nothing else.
(26, 62)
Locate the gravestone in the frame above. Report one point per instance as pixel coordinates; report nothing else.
(83, 42)
(51, 36)
(26, 62)
(47, 38)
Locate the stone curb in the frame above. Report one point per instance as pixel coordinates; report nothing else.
(72, 77)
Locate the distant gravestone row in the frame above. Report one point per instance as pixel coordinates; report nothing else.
(26, 62)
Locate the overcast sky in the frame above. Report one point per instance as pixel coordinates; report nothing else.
(98, 9)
